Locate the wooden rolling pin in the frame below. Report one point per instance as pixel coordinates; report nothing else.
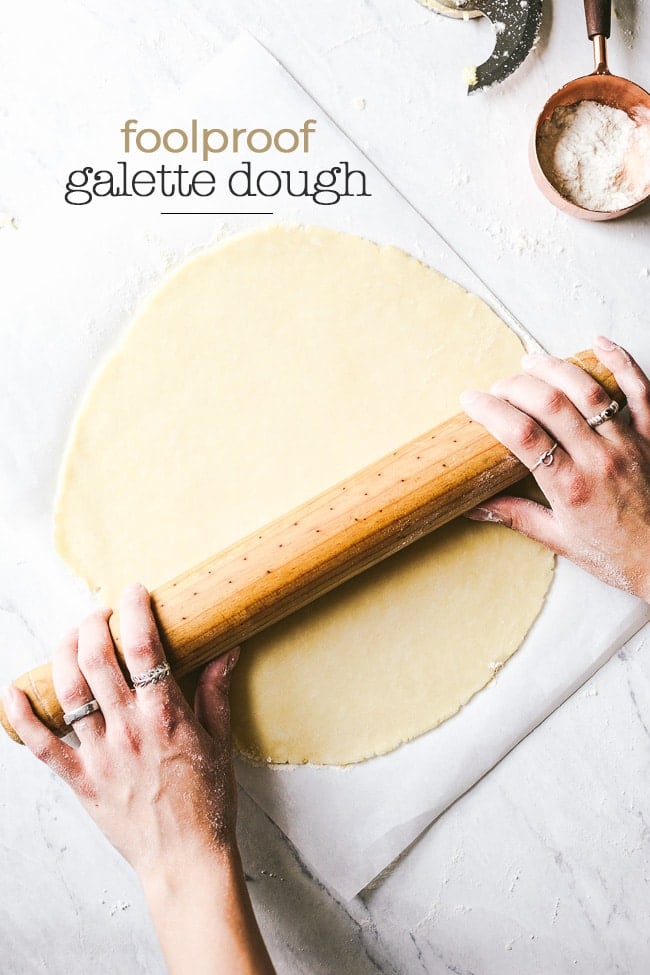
(326, 541)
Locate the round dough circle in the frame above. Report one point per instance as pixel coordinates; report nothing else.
(259, 374)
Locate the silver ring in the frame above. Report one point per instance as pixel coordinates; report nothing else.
(153, 676)
(546, 459)
(81, 712)
(607, 414)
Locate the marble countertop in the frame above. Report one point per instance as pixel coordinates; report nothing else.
(543, 866)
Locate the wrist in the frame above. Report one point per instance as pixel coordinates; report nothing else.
(191, 868)
(203, 902)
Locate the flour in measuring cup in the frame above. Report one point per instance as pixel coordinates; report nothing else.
(595, 155)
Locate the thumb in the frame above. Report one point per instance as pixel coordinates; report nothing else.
(522, 515)
(211, 702)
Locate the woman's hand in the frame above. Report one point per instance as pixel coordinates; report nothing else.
(158, 781)
(598, 480)
(147, 771)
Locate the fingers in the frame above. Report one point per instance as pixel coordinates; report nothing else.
(551, 402)
(211, 701)
(551, 408)
(632, 380)
(586, 397)
(141, 644)
(71, 686)
(42, 743)
(519, 432)
(524, 516)
(98, 663)
(140, 641)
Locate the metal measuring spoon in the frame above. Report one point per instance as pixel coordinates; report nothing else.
(600, 86)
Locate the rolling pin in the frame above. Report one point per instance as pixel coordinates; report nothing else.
(321, 544)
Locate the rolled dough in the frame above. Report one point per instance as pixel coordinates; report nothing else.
(260, 373)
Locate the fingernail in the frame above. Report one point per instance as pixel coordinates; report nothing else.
(602, 342)
(483, 514)
(468, 396)
(135, 590)
(231, 662)
(532, 359)
(7, 696)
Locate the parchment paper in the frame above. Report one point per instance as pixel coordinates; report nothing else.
(350, 823)
(94, 265)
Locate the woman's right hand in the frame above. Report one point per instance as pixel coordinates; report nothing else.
(598, 480)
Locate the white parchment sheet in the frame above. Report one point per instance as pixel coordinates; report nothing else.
(73, 277)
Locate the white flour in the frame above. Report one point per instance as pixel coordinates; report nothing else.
(596, 156)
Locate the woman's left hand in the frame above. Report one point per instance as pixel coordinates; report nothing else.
(159, 782)
(157, 779)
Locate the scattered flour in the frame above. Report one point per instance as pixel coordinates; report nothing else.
(120, 906)
(595, 155)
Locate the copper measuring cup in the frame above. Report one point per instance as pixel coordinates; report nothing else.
(599, 86)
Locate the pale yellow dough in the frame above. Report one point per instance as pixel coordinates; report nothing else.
(259, 374)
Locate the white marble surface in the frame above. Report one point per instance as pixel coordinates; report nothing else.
(543, 865)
